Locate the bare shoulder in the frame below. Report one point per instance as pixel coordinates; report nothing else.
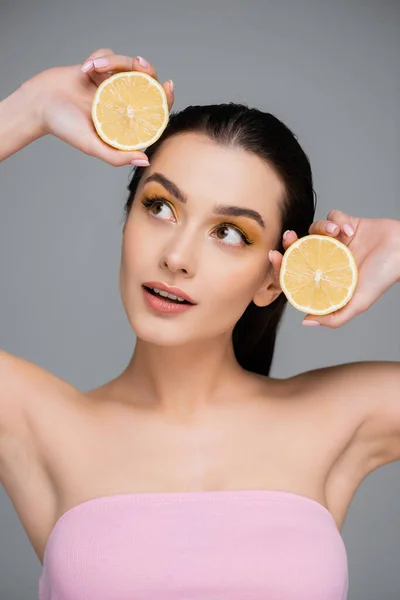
(17, 375)
(358, 407)
(25, 391)
(366, 394)
(32, 401)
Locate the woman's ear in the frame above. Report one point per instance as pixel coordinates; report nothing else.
(267, 293)
(270, 289)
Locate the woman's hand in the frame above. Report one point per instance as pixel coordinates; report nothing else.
(375, 245)
(63, 97)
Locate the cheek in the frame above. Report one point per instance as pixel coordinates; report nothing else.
(136, 248)
(235, 281)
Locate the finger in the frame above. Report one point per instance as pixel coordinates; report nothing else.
(324, 228)
(112, 156)
(288, 238)
(88, 65)
(100, 68)
(347, 223)
(100, 52)
(117, 64)
(355, 307)
(169, 90)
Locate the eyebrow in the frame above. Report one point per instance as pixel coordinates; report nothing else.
(233, 211)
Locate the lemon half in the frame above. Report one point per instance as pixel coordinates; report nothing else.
(318, 274)
(130, 110)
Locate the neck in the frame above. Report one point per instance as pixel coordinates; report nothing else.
(181, 383)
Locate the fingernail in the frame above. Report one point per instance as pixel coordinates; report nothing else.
(348, 230)
(310, 323)
(331, 228)
(140, 162)
(142, 62)
(87, 66)
(270, 255)
(286, 234)
(100, 63)
(171, 83)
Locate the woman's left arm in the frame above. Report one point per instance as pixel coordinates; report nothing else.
(372, 387)
(375, 245)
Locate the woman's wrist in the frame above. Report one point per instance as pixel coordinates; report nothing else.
(30, 101)
(20, 122)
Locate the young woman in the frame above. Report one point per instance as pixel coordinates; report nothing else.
(194, 474)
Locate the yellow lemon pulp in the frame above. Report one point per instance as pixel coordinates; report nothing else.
(130, 110)
(318, 274)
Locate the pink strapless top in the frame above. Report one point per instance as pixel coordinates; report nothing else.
(214, 545)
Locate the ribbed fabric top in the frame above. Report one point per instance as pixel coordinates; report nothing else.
(216, 545)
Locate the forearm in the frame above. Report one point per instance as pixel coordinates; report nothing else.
(19, 123)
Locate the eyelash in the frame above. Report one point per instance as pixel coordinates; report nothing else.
(149, 201)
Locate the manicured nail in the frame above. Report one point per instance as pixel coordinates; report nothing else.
(171, 85)
(270, 255)
(139, 162)
(286, 234)
(348, 229)
(143, 63)
(310, 323)
(331, 228)
(87, 66)
(100, 63)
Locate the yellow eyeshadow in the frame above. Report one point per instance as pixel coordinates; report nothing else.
(249, 229)
(155, 196)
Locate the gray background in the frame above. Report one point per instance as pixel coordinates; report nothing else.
(327, 69)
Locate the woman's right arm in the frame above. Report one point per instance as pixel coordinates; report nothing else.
(58, 101)
(19, 123)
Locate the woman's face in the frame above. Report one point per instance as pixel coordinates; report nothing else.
(183, 239)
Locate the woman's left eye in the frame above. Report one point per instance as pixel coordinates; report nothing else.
(231, 235)
(159, 208)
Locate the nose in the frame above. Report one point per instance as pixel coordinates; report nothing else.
(179, 257)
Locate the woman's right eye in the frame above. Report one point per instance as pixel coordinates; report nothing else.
(159, 208)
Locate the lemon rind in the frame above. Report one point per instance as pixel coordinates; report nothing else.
(308, 309)
(97, 124)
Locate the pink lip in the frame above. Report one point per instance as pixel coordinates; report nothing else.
(170, 290)
(162, 305)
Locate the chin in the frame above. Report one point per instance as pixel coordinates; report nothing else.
(162, 336)
(161, 331)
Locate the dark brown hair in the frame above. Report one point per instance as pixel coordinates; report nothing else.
(267, 137)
